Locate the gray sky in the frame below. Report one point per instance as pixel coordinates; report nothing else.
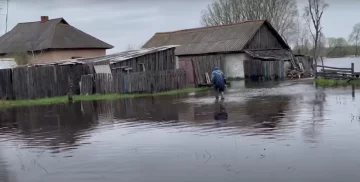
(124, 22)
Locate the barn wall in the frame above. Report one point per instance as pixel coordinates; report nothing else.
(157, 61)
(200, 65)
(264, 39)
(234, 65)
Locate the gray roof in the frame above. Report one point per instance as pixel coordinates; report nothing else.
(126, 55)
(53, 34)
(213, 39)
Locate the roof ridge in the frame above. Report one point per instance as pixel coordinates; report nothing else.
(39, 21)
(209, 27)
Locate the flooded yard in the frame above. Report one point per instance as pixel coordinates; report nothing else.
(275, 131)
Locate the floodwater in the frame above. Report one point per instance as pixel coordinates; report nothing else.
(343, 63)
(275, 131)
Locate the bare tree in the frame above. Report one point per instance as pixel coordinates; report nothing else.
(355, 37)
(302, 37)
(281, 14)
(313, 15)
(131, 47)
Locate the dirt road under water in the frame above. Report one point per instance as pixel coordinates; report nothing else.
(277, 132)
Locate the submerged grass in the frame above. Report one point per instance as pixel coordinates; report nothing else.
(64, 99)
(336, 82)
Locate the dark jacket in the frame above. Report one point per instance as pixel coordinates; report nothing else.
(218, 78)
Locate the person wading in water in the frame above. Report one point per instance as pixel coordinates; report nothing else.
(219, 81)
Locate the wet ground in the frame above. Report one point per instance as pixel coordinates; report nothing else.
(275, 132)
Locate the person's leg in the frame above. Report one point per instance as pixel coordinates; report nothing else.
(221, 90)
(216, 92)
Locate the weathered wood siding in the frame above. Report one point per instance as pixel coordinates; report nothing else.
(157, 61)
(6, 90)
(139, 82)
(268, 70)
(87, 84)
(204, 64)
(264, 39)
(46, 81)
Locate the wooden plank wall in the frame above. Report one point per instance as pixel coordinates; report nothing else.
(140, 82)
(157, 61)
(264, 39)
(268, 70)
(46, 81)
(6, 87)
(103, 83)
(204, 64)
(87, 84)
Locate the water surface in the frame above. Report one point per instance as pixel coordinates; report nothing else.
(276, 131)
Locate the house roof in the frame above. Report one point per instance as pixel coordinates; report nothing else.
(53, 34)
(212, 39)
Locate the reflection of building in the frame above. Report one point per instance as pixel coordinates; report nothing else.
(52, 126)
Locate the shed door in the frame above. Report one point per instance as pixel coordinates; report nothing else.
(186, 64)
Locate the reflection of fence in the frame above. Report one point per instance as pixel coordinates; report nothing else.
(336, 72)
(269, 70)
(138, 82)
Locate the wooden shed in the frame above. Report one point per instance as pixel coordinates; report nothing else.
(226, 46)
(146, 59)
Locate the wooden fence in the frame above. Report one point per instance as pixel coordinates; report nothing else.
(268, 70)
(336, 72)
(6, 89)
(138, 82)
(40, 81)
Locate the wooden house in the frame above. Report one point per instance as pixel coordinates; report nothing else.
(227, 46)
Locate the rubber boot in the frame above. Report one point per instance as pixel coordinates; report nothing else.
(222, 95)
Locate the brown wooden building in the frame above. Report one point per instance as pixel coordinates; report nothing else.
(227, 46)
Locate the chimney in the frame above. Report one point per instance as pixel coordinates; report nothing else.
(44, 19)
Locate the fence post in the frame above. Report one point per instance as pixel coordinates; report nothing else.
(352, 69)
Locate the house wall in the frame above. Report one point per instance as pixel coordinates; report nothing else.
(234, 65)
(264, 39)
(56, 55)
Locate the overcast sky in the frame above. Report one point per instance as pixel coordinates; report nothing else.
(133, 22)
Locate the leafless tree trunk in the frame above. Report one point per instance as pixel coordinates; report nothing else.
(281, 14)
(355, 37)
(313, 15)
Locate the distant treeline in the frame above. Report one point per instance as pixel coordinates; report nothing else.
(332, 52)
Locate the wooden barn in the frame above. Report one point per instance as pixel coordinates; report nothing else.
(251, 48)
(141, 60)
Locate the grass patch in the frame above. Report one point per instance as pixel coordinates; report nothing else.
(64, 99)
(336, 82)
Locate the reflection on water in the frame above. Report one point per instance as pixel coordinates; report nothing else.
(283, 131)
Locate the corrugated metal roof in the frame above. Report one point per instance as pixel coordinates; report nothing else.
(122, 56)
(7, 63)
(53, 34)
(112, 58)
(214, 39)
